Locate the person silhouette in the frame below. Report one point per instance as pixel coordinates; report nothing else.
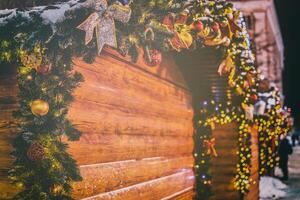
(284, 150)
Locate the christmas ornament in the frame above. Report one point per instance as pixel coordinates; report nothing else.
(187, 38)
(239, 90)
(197, 26)
(218, 40)
(226, 66)
(36, 152)
(39, 107)
(45, 69)
(253, 98)
(210, 146)
(103, 22)
(204, 33)
(182, 17)
(176, 42)
(215, 27)
(234, 27)
(31, 60)
(156, 58)
(249, 111)
(250, 79)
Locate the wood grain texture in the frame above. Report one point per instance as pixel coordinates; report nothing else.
(112, 176)
(254, 187)
(224, 166)
(8, 130)
(151, 190)
(108, 148)
(137, 130)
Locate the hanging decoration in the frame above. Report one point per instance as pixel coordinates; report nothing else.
(35, 152)
(102, 22)
(39, 107)
(210, 145)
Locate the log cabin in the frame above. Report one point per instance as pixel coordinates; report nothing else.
(137, 125)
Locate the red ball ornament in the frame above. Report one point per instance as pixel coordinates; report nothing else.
(156, 58)
(45, 69)
(253, 97)
(36, 152)
(215, 27)
(198, 26)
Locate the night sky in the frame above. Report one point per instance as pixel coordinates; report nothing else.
(289, 17)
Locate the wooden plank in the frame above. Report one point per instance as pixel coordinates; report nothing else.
(112, 121)
(224, 166)
(123, 77)
(186, 194)
(8, 131)
(107, 177)
(167, 70)
(254, 187)
(117, 94)
(151, 190)
(103, 84)
(107, 148)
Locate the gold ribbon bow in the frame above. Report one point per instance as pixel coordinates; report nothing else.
(176, 42)
(103, 22)
(210, 145)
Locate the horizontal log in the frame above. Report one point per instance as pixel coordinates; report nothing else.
(107, 148)
(151, 190)
(8, 131)
(123, 77)
(89, 116)
(107, 177)
(167, 70)
(125, 87)
(186, 194)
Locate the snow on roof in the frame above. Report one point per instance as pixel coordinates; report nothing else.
(51, 14)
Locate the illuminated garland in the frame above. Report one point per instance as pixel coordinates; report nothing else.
(44, 52)
(271, 125)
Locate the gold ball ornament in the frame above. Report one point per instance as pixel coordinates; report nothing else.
(187, 38)
(39, 107)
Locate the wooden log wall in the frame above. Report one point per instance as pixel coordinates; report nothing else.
(254, 188)
(137, 130)
(224, 166)
(200, 70)
(8, 131)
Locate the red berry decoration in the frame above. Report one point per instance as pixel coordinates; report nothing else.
(198, 26)
(215, 27)
(45, 69)
(35, 152)
(155, 58)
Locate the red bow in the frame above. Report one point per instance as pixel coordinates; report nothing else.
(210, 145)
